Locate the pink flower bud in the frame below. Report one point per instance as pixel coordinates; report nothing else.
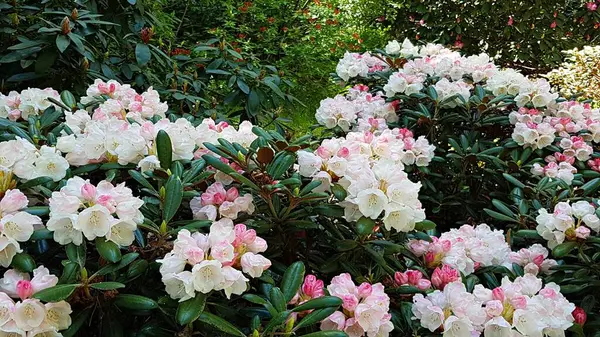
(349, 302)
(548, 293)
(538, 260)
(365, 290)
(498, 294)
(418, 247)
(343, 152)
(313, 287)
(400, 278)
(88, 191)
(519, 302)
(442, 276)
(232, 194)
(494, 308)
(24, 289)
(579, 315)
(414, 276)
(423, 284)
(582, 232)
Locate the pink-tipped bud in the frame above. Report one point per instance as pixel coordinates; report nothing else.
(349, 302)
(498, 294)
(88, 191)
(24, 289)
(232, 194)
(365, 290)
(414, 276)
(313, 287)
(400, 278)
(444, 275)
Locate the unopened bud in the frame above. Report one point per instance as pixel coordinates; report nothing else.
(74, 14)
(66, 25)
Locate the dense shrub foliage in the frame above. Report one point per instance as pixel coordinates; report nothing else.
(578, 75)
(138, 220)
(529, 35)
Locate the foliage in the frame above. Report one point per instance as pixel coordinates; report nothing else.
(529, 35)
(578, 75)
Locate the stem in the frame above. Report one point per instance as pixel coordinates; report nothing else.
(187, 5)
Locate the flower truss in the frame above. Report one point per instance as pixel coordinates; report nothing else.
(16, 225)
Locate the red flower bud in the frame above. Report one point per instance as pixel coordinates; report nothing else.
(66, 25)
(579, 315)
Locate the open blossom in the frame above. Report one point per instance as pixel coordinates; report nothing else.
(565, 222)
(30, 316)
(104, 210)
(28, 162)
(366, 308)
(29, 102)
(353, 65)
(217, 201)
(217, 261)
(522, 306)
(370, 168)
(533, 259)
(464, 249)
(16, 225)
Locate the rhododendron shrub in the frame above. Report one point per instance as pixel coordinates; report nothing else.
(159, 226)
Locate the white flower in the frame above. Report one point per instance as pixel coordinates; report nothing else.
(149, 163)
(122, 232)
(179, 286)
(254, 264)
(234, 281)
(457, 327)
(393, 47)
(64, 232)
(94, 222)
(8, 249)
(371, 202)
(19, 226)
(29, 314)
(58, 315)
(207, 275)
(309, 163)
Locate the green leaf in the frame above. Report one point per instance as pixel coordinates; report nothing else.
(108, 250)
(107, 285)
(319, 303)
(502, 207)
(142, 54)
(45, 60)
(189, 311)
(253, 103)
(292, 279)
(164, 149)
(220, 324)
(57, 293)
(339, 192)
(315, 316)
(76, 254)
(498, 216)
(173, 197)
(135, 302)
(68, 99)
(23, 262)
(331, 333)
(364, 226)
(277, 299)
(527, 234)
(425, 225)
(62, 42)
(563, 249)
(243, 86)
(513, 180)
(591, 186)
(35, 182)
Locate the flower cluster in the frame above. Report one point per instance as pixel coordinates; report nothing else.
(15, 225)
(29, 102)
(534, 259)
(218, 202)
(366, 308)
(30, 316)
(522, 306)
(103, 211)
(121, 101)
(354, 65)
(359, 109)
(370, 168)
(464, 249)
(203, 263)
(413, 278)
(27, 162)
(567, 222)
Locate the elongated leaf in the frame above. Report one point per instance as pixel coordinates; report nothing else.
(164, 149)
(189, 311)
(292, 279)
(57, 293)
(319, 303)
(220, 324)
(142, 54)
(277, 299)
(107, 285)
(173, 197)
(108, 250)
(62, 42)
(563, 249)
(315, 316)
(135, 302)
